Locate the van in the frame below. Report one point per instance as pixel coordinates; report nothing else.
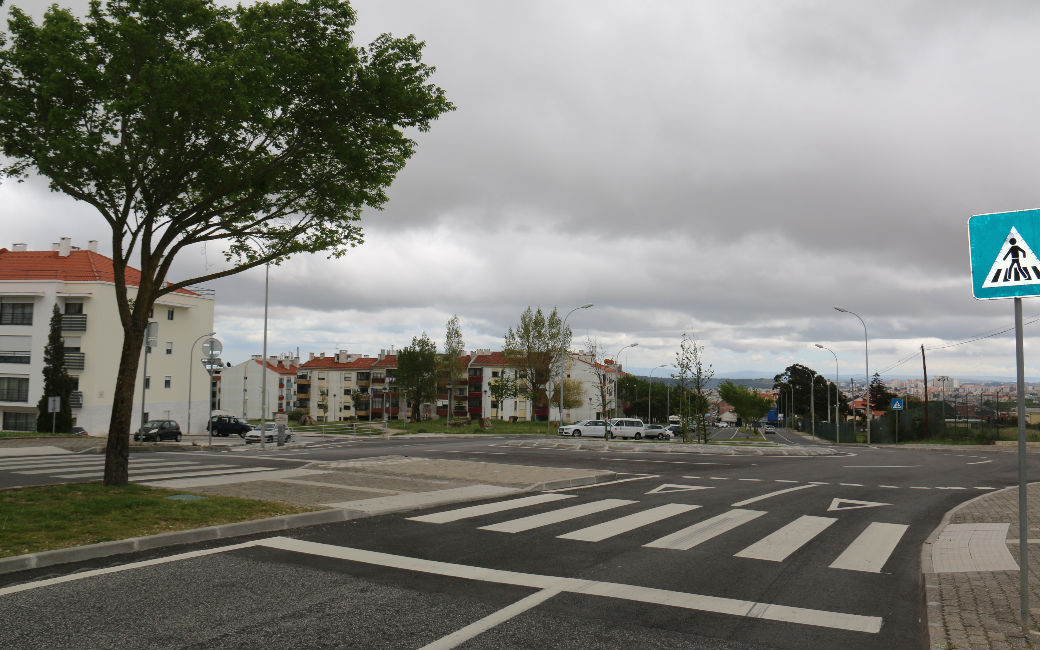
(626, 428)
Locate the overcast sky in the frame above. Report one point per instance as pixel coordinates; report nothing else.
(732, 170)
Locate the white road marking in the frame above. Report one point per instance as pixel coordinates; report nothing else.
(670, 488)
(889, 486)
(981, 462)
(871, 549)
(609, 529)
(556, 516)
(769, 495)
(476, 628)
(985, 488)
(851, 484)
(38, 461)
(880, 466)
(918, 487)
(228, 478)
(687, 538)
(749, 479)
(641, 477)
(136, 477)
(696, 602)
(853, 504)
(488, 508)
(100, 466)
(777, 546)
(783, 480)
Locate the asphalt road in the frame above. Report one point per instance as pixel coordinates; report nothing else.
(688, 550)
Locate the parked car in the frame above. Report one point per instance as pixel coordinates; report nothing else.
(270, 434)
(159, 430)
(79, 431)
(589, 428)
(625, 428)
(675, 429)
(769, 428)
(225, 425)
(658, 431)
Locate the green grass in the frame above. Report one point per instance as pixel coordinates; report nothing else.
(50, 517)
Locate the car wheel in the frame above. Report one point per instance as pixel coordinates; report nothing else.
(576, 434)
(639, 436)
(177, 438)
(661, 436)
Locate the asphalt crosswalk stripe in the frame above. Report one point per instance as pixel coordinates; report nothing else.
(36, 460)
(489, 508)
(747, 502)
(101, 465)
(148, 469)
(780, 544)
(687, 538)
(871, 549)
(556, 516)
(157, 477)
(608, 529)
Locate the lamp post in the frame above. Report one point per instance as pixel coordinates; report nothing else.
(649, 386)
(190, 367)
(837, 393)
(812, 402)
(263, 362)
(566, 357)
(866, 364)
(151, 338)
(616, 370)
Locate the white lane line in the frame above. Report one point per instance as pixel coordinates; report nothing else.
(687, 538)
(889, 486)
(476, 628)
(135, 477)
(851, 484)
(881, 466)
(609, 529)
(556, 516)
(641, 477)
(918, 487)
(769, 495)
(177, 483)
(780, 544)
(749, 479)
(985, 488)
(488, 508)
(696, 602)
(783, 480)
(871, 549)
(100, 466)
(213, 472)
(40, 461)
(981, 462)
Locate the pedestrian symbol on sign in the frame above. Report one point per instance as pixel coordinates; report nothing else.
(1016, 264)
(897, 404)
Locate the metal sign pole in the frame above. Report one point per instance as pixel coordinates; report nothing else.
(1023, 528)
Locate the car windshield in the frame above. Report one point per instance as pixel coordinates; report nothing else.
(152, 424)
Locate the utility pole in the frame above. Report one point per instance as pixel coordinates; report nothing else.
(924, 365)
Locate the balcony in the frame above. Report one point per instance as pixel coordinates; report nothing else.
(74, 323)
(75, 360)
(76, 399)
(378, 380)
(14, 356)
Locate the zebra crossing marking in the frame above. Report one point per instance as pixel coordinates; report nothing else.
(769, 495)
(687, 538)
(152, 468)
(615, 527)
(668, 488)
(871, 549)
(489, 508)
(99, 465)
(777, 546)
(556, 516)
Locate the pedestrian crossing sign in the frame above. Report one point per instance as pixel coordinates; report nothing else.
(1003, 264)
(897, 404)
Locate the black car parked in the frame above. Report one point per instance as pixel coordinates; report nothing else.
(159, 430)
(225, 425)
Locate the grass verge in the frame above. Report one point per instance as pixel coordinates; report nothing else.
(50, 517)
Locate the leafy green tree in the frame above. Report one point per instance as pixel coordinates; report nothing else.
(605, 382)
(452, 368)
(323, 403)
(262, 128)
(880, 397)
(701, 374)
(749, 405)
(573, 394)
(536, 346)
(503, 387)
(416, 375)
(56, 381)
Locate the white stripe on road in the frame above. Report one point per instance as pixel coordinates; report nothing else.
(97, 467)
(226, 478)
(871, 549)
(459, 637)
(135, 477)
(556, 516)
(981, 462)
(687, 538)
(608, 529)
(768, 495)
(641, 477)
(780, 544)
(488, 508)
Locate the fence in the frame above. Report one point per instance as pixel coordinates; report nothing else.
(909, 425)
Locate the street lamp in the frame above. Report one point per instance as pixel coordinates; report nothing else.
(837, 393)
(866, 364)
(563, 365)
(618, 374)
(648, 393)
(263, 362)
(812, 402)
(191, 356)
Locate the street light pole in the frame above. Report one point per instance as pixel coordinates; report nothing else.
(866, 364)
(649, 386)
(566, 358)
(812, 402)
(837, 393)
(191, 357)
(618, 375)
(263, 361)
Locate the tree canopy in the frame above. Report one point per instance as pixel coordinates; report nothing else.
(263, 128)
(536, 346)
(747, 403)
(416, 375)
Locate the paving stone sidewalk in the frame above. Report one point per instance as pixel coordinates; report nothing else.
(980, 608)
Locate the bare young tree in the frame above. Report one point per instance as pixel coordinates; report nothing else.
(454, 372)
(605, 381)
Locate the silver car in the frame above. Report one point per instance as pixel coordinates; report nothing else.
(587, 428)
(270, 433)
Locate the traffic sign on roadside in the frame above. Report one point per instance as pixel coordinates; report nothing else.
(897, 403)
(1003, 264)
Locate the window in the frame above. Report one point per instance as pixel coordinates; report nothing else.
(14, 389)
(19, 421)
(169, 347)
(74, 382)
(16, 313)
(167, 381)
(346, 391)
(169, 314)
(14, 356)
(72, 343)
(73, 308)
(147, 383)
(494, 373)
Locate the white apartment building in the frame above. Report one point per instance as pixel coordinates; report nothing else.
(241, 387)
(81, 284)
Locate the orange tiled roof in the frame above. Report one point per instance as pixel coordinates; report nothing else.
(498, 358)
(281, 370)
(330, 363)
(77, 266)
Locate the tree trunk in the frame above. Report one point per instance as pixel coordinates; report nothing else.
(117, 453)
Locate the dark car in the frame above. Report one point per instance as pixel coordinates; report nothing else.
(159, 430)
(225, 425)
(79, 431)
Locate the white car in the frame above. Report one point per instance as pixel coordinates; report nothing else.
(586, 428)
(657, 431)
(270, 434)
(625, 428)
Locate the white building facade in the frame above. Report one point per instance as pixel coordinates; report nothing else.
(81, 284)
(241, 387)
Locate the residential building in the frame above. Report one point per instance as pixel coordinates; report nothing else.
(327, 386)
(82, 285)
(241, 387)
